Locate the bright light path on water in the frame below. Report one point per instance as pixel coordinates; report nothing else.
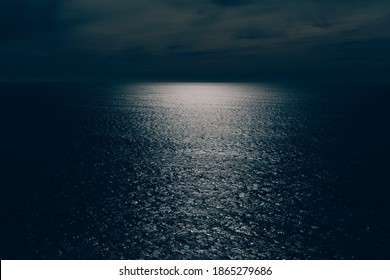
(209, 117)
(196, 93)
(213, 151)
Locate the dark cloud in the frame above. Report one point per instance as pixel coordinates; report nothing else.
(231, 2)
(371, 50)
(175, 36)
(19, 18)
(258, 33)
(157, 25)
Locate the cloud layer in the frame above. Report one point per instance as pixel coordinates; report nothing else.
(206, 35)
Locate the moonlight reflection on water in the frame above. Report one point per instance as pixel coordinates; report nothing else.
(196, 171)
(216, 174)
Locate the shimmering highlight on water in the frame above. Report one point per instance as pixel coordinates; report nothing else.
(205, 171)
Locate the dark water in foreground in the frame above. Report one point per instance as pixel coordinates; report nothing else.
(194, 171)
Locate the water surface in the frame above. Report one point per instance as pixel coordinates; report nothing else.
(194, 171)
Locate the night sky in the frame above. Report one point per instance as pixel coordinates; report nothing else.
(194, 40)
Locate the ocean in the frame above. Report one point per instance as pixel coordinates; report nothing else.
(194, 170)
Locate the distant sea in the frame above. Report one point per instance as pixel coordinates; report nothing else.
(194, 171)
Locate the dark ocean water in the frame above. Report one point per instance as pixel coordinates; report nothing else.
(194, 171)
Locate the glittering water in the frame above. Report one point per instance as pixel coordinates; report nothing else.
(195, 171)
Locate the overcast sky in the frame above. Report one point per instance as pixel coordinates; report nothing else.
(188, 39)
